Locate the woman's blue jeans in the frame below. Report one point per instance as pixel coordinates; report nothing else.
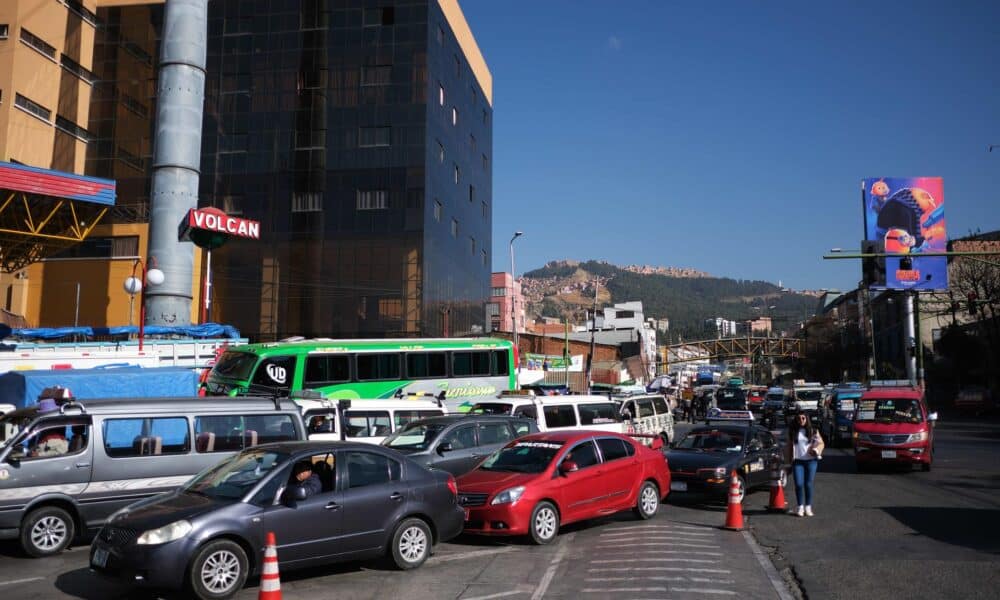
(805, 473)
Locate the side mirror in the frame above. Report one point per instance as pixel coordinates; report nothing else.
(754, 447)
(567, 466)
(932, 417)
(445, 447)
(293, 495)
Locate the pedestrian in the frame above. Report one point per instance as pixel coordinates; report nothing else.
(803, 449)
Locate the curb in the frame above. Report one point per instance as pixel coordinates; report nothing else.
(772, 574)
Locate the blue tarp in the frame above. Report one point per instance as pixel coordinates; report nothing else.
(22, 388)
(205, 330)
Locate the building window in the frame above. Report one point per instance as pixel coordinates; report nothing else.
(72, 128)
(4, 31)
(33, 108)
(374, 136)
(472, 245)
(38, 44)
(499, 292)
(440, 94)
(81, 11)
(454, 228)
(472, 142)
(437, 210)
(306, 202)
(486, 163)
(373, 199)
(483, 252)
(375, 17)
(77, 69)
(458, 174)
(440, 35)
(492, 309)
(458, 67)
(486, 117)
(486, 210)
(232, 205)
(454, 116)
(376, 75)
(102, 247)
(472, 193)
(440, 152)
(475, 96)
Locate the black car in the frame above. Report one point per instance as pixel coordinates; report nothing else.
(702, 461)
(457, 443)
(731, 398)
(209, 534)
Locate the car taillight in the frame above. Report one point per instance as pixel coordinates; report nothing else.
(452, 485)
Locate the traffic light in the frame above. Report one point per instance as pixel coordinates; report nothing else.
(873, 268)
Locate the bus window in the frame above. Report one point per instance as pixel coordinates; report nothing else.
(276, 371)
(470, 364)
(501, 362)
(372, 367)
(426, 365)
(326, 370)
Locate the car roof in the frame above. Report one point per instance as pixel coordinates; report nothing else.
(296, 447)
(571, 435)
(467, 417)
(893, 392)
(735, 427)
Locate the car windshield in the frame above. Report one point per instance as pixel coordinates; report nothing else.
(529, 456)
(235, 365)
(712, 440)
(846, 403)
(232, 478)
(11, 425)
(491, 408)
(415, 436)
(808, 395)
(730, 398)
(890, 410)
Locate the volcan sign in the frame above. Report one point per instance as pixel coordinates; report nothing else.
(209, 228)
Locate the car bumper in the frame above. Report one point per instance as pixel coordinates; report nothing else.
(451, 524)
(683, 488)
(907, 454)
(160, 566)
(502, 519)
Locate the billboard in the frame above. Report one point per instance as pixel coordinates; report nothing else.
(907, 215)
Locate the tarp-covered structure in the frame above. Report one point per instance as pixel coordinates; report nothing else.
(22, 388)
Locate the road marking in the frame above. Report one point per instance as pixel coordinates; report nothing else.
(656, 589)
(678, 578)
(25, 580)
(473, 554)
(669, 569)
(677, 544)
(769, 570)
(684, 552)
(641, 527)
(682, 533)
(497, 595)
(704, 591)
(543, 585)
(628, 560)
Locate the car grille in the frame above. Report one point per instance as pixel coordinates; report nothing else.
(889, 438)
(471, 499)
(118, 536)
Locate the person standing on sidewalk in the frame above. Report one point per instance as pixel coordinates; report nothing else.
(803, 450)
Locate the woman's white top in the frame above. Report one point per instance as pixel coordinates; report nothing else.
(801, 448)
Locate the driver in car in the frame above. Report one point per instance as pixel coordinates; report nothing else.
(306, 479)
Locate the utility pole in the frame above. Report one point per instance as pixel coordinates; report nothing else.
(513, 308)
(593, 327)
(909, 337)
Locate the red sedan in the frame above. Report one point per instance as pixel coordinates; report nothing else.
(539, 482)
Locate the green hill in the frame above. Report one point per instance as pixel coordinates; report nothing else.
(687, 301)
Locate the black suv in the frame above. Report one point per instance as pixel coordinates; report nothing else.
(457, 443)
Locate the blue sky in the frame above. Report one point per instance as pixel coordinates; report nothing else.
(732, 137)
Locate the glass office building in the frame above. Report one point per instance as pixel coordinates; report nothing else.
(359, 133)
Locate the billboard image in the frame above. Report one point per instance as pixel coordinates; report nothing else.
(907, 215)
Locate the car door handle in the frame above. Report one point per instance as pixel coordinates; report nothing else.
(396, 496)
(332, 506)
(82, 465)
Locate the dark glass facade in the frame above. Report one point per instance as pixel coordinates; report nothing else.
(358, 135)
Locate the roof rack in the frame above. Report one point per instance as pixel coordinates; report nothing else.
(506, 393)
(729, 416)
(890, 383)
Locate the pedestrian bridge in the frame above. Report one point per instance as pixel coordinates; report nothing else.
(722, 348)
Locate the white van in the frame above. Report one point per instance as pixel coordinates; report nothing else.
(649, 414)
(368, 421)
(557, 412)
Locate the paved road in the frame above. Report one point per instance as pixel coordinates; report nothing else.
(682, 553)
(897, 534)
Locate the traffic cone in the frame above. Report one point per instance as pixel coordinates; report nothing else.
(734, 512)
(777, 502)
(270, 582)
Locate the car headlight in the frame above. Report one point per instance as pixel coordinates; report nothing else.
(918, 437)
(509, 496)
(167, 533)
(862, 437)
(717, 473)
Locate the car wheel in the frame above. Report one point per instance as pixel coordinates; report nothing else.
(648, 501)
(411, 544)
(743, 488)
(544, 523)
(47, 531)
(218, 570)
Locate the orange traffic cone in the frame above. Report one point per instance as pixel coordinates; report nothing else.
(734, 512)
(777, 502)
(270, 582)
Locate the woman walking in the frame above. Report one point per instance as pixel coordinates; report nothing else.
(803, 449)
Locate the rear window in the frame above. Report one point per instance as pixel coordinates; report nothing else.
(490, 408)
(405, 417)
(367, 423)
(614, 448)
(561, 415)
(230, 433)
(597, 414)
(146, 436)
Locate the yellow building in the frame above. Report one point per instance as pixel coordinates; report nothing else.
(46, 86)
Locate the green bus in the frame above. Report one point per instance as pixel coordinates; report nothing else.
(465, 370)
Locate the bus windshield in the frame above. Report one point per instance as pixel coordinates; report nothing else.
(235, 365)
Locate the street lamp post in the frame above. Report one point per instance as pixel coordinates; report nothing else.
(513, 308)
(136, 285)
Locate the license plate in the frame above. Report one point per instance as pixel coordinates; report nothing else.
(100, 558)
(466, 514)
(678, 486)
(888, 454)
